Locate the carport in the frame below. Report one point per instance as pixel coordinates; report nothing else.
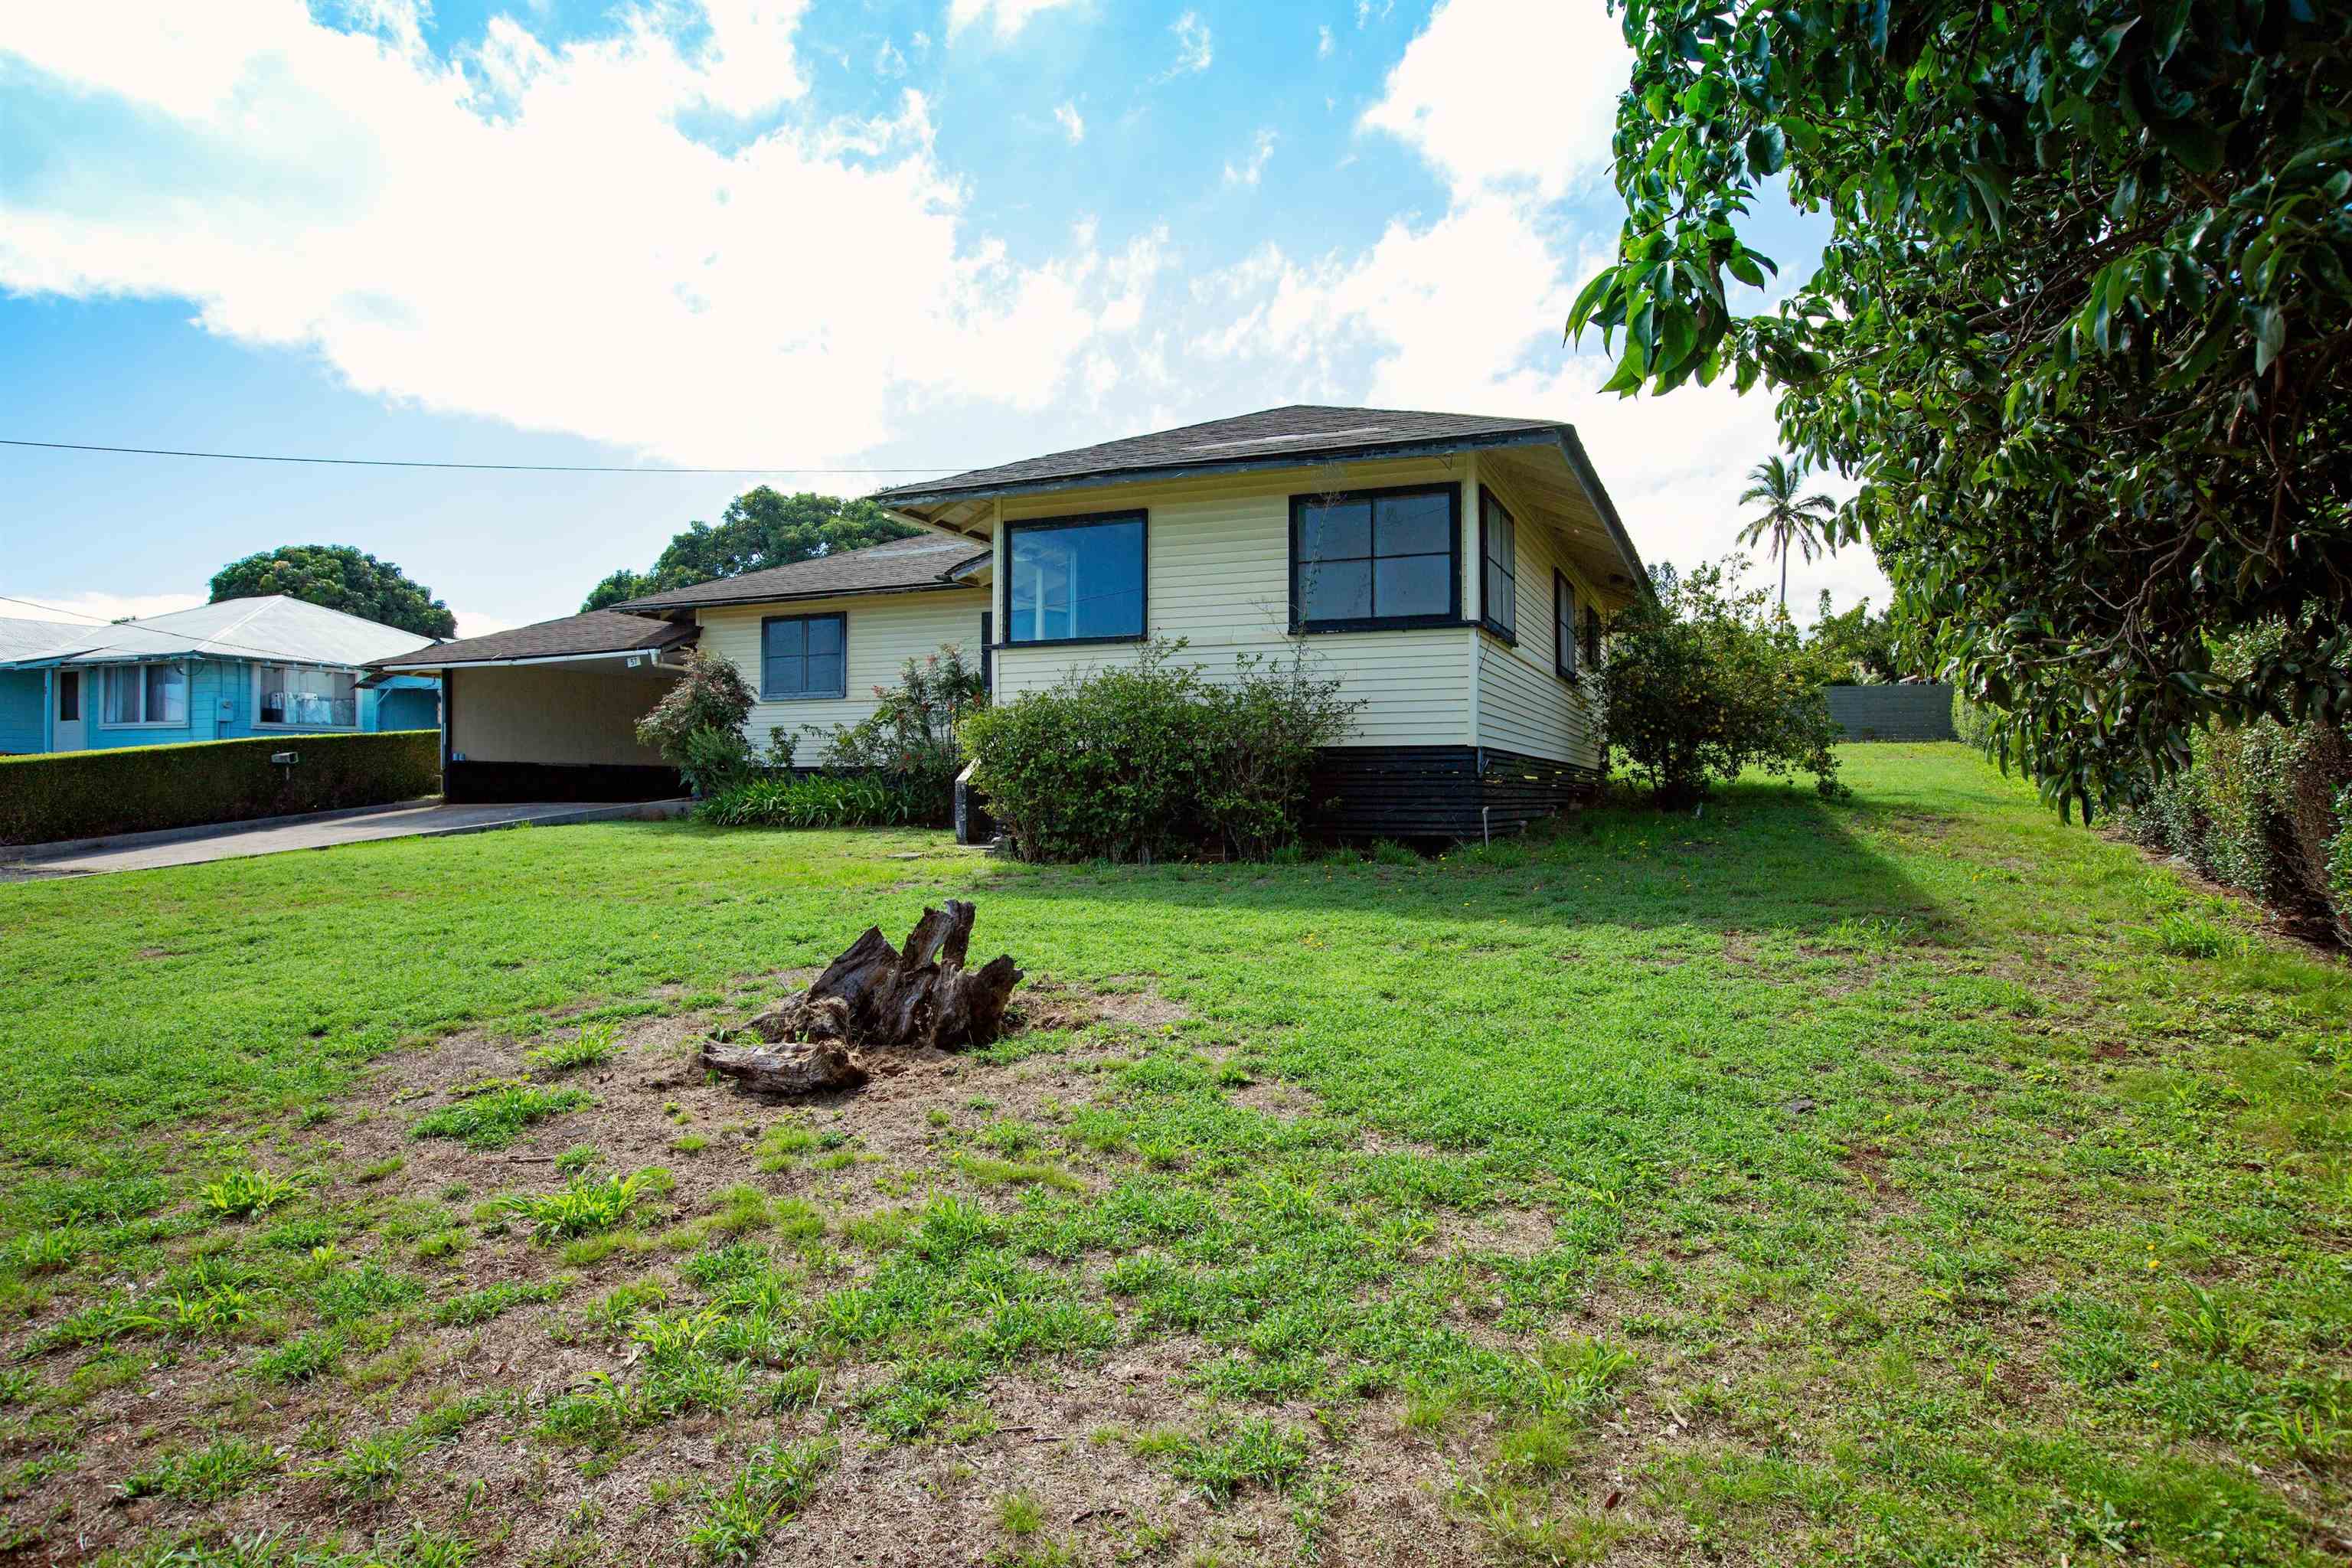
(549, 713)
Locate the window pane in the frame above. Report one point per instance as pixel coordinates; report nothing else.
(1414, 585)
(69, 696)
(1502, 597)
(1334, 531)
(1337, 591)
(786, 639)
(824, 635)
(273, 694)
(122, 697)
(167, 694)
(1085, 581)
(1414, 525)
(824, 674)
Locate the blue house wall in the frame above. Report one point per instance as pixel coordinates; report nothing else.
(220, 708)
(23, 701)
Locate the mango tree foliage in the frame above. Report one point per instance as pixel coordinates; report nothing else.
(2082, 330)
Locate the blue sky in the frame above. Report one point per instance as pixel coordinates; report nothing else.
(760, 232)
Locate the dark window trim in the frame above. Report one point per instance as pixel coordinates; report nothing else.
(1563, 652)
(1046, 524)
(1300, 626)
(1509, 634)
(767, 621)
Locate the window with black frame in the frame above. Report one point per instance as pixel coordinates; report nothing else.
(1074, 580)
(1563, 627)
(803, 656)
(1498, 553)
(1374, 559)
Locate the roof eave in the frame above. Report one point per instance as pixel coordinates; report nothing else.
(1572, 448)
(649, 608)
(1531, 435)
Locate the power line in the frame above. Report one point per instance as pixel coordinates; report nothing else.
(477, 467)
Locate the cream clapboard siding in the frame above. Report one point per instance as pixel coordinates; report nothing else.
(1218, 574)
(1523, 705)
(885, 630)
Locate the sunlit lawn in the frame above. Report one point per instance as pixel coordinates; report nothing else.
(1911, 1179)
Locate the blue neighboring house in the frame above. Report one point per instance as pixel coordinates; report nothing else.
(267, 666)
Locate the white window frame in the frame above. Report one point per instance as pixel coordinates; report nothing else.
(106, 696)
(261, 668)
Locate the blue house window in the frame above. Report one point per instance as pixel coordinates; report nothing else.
(317, 698)
(803, 656)
(1075, 579)
(146, 694)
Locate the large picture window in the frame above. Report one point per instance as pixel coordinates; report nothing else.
(321, 699)
(803, 656)
(147, 694)
(1563, 626)
(1498, 556)
(1074, 580)
(1375, 558)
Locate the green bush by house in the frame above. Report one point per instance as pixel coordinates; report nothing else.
(1153, 760)
(83, 795)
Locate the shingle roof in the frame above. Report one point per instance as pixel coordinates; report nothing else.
(598, 631)
(269, 626)
(901, 565)
(1299, 430)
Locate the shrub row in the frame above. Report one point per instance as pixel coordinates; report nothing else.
(135, 789)
(1153, 760)
(825, 800)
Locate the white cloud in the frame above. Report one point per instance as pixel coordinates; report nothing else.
(1193, 47)
(473, 623)
(529, 235)
(889, 61)
(1496, 94)
(1252, 168)
(1009, 16)
(1323, 43)
(1073, 123)
(91, 608)
(1367, 12)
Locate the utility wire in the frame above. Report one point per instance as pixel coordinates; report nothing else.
(477, 467)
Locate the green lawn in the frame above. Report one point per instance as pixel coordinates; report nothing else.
(1904, 1180)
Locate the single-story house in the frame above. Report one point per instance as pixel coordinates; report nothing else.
(1451, 570)
(265, 666)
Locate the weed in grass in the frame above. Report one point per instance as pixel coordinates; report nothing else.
(492, 1300)
(46, 1250)
(1013, 1172)
(595, 1044)
(382, 1170)
(1251, 1451)
(1019, 1514)
(203, 1475)
(45, 1201)
(19, 1385)
(301, 1235)
(355, 1293)
(2178, 934)
(369, 1469)
(493, 1116)
(299, 1360)
(577, 1158)
(585, 1204)
(243, 1192)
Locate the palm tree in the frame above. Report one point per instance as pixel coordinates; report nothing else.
(1786, 520)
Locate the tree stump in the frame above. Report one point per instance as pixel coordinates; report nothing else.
(876, 996)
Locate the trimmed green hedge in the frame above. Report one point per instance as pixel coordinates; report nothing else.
(84, 795)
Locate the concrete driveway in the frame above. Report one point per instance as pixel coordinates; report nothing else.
(319, 830)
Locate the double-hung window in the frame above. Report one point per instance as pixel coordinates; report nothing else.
(146, 694)
(1375, 558)
(320, 699)
(803, 656)
(1498, 556)
(1077, 579)
(1563, 627)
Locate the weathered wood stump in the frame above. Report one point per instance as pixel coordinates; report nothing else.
(876, 996)
(794, 1069)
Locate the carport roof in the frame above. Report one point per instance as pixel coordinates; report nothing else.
(573, 636)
